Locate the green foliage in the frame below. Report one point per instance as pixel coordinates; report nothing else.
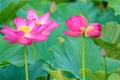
(115, 4)
(59, 75)
(41, 78)
(10, 54)
(10, 11)
(99, 75)
(68, 54)
(114, 76)
(13, 72)
(111, 32)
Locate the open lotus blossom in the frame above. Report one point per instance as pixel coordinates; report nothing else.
(78, 26)
(33, 28)
(43, 25)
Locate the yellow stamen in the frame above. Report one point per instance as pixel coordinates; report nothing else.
(25, 29)
(38, 22)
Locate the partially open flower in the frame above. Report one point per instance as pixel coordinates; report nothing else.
(78, 26)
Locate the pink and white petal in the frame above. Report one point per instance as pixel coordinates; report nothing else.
(31, 23)
(24, 41)
(18, 21)
(46, 33)
(94, 33)
(43, 19)
(31, 14)
(40, 29)
(52, 26)
(34, 29)
(49, 22)
(31, 37)
(72, 33)
(96, 26)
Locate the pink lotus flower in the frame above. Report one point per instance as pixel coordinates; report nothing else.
(78, 26)
(34, 28)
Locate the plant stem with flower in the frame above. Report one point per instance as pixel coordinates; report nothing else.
(78, 26)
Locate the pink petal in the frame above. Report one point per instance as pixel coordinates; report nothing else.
(8, 28)
(8, 31)
(49, 22)
(20, 33)
(83, 21)
(39, 30)
(10, 38)
(43, 19)
(31, 14)
(40, 38)
(52, 26)
(24, 41)
(46, 33)
(94, 33)
(96, 26)
(72, 33)
(18, 21)
(12, 42)
(73, 26)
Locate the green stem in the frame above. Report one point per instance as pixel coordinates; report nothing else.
(26, 63)
(34, 51)
(83, 58)
(48, 77)
(101, 6)
(105, 66)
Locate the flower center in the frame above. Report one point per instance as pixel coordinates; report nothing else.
(25, 29)
(83, 29)
(89, 28)
(38, 22)
(86, 30)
